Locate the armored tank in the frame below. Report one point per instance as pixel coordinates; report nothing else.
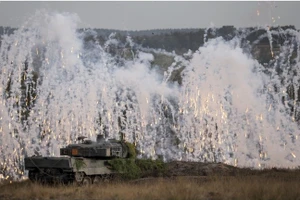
(85, 162)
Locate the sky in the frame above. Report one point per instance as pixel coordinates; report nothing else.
(145, 15)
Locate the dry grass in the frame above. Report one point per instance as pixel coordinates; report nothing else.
(204, 188)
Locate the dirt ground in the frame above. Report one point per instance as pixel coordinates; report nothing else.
(182, 168)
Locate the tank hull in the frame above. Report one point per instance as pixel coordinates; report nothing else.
(66, 169)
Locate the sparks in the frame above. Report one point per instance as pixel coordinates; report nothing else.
(293, 155)
(270, 107)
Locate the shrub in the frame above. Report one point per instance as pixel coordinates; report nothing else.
(152, 167)
(136, 168)
(131, 150)
(126, 167)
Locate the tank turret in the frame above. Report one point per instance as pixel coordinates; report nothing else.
(101, 148)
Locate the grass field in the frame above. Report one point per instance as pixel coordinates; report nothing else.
(254, 187)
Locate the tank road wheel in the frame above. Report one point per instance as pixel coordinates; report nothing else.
(106, 178)
(79, 176)
(87, 181)
(97, 180)
(33, 176)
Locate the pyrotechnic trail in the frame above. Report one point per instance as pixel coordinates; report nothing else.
(54, 87)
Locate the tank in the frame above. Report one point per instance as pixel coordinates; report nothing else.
(85, 162)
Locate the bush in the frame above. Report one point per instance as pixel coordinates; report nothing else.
(126, 167)
(131, 150)
(136, 168)
(151, 167)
